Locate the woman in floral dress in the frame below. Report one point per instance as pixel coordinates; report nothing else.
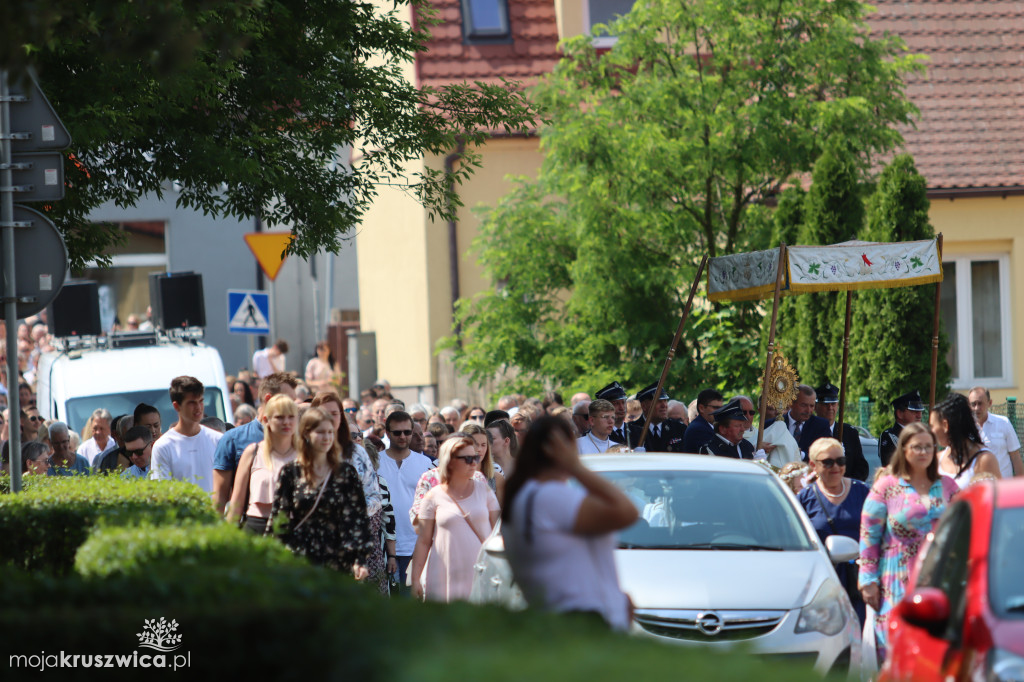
(903, 506)
(319, 509)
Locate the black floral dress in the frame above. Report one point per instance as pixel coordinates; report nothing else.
(337, 534)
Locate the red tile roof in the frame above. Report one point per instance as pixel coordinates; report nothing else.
(971, 130)
(532, 52)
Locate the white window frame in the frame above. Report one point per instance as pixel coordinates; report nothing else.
(965, 311)
(600, 41)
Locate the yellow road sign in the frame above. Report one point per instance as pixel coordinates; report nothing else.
(269, 249)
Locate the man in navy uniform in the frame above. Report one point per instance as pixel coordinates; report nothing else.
(664, 434)
(802, 423)
(907, 409)
(701, 430)
(730, 425)
(616, 395)
(827, 407)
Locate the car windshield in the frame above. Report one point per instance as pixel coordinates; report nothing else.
(80, 409)
(1006, 556)
(709, 510)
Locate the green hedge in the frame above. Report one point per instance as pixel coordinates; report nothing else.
(136, 550)
(43, 526)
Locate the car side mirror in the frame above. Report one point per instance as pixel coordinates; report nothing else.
(841, 548)
(925, 607)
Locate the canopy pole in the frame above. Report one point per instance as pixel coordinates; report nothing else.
(672, 349)
(935, 330)
(846, 360)
(771, 345)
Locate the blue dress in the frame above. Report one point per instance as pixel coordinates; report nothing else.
(846, 518)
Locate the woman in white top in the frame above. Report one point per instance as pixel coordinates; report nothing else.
(560, 537)
(261, 462)
(965, 454)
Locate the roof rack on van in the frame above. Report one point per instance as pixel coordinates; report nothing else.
(130, 339)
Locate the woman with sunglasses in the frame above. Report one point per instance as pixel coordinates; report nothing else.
(834, 504)
(455, 518)
(902, 508)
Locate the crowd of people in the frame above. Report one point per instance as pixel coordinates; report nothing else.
(403, 496)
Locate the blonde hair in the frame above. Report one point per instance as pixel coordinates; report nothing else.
(448, 448)
(487, 465)
(280, 404)
(792, 474)
(824, 445)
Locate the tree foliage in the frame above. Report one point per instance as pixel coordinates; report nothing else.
(251, 108)
(659, 151)
(834, 213)
(892, 328)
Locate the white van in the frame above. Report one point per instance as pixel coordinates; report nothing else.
(71, 384)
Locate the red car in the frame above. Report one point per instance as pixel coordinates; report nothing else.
(963, 615)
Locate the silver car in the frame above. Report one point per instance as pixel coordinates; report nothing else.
(723, 554)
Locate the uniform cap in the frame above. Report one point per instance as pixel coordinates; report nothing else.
(648, 393)
(827, 393)
(909, 401)
(611, 392)
(731, 410)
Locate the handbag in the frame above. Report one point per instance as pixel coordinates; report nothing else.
(852, 568)
(315, 502)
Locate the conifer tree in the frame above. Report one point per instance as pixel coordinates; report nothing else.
(834, 212)
(890, 341)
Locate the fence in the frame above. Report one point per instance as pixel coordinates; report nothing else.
(1009, 409)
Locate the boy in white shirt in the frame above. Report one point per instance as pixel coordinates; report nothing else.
(185, 452)
(602, 422)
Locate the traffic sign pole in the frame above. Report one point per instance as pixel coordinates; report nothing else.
(10, 294)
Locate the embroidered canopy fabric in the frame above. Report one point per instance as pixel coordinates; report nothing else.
(839, 267)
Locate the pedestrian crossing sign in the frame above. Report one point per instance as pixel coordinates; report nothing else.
(248, 312)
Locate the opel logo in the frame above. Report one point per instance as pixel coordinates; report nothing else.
(709, 623)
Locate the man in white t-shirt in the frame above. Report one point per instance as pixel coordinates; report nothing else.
(269, 360)
(101, 443)
(601, 424)
(997, 432)
(185, 452)
(402, 468)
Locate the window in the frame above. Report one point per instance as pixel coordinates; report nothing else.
(975, 306)
(485, 21)
(605, 12)
(945, 565)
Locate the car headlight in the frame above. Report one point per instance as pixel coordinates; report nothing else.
(1004, 667)
(825, 613)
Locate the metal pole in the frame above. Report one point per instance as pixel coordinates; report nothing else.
(935, 330)
(771, 344)
(10, 294)
(846, 359)
(672, 349)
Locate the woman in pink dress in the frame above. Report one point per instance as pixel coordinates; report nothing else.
(455, 518)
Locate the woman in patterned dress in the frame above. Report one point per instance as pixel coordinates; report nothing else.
(319, 509)
(356, 455)
(903, 506)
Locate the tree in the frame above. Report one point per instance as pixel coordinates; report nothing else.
(834, 212)
(658, 151)
(892, 328)
(256, 117)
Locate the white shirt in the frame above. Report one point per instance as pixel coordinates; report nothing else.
(402, 482)
(998, 434)
(264, 365)
(592, 445)
(177, 457)
(91, 450)
(557, 569)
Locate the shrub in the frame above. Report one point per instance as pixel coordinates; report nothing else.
(135, 550)
(43, 526)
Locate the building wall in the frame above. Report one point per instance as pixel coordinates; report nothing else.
(989, 225)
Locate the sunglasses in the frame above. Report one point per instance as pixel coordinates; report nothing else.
(351, 410)
(478, 417)
(830, 462)
(136, 453)
(749, 413)
(401, 432)
(469, 459)
(35, 419)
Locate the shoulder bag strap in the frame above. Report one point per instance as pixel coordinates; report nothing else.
(315, 503)
(821, 501)
(466, 518)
